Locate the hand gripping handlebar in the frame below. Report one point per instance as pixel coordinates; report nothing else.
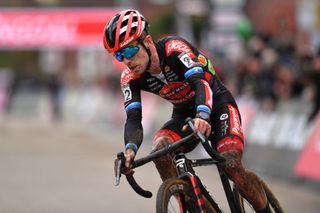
(206, 144)
(161, 152)
(120, 164)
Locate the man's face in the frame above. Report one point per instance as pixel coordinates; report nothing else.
(138, 62)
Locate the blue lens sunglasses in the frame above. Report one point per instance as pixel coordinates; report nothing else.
(127, 52)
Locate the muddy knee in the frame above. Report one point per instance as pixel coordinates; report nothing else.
(160, 143)
(164, 164)
(247, 182)
(232, 166)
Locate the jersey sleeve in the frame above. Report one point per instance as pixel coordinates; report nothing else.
(133, 131)
(184, 57)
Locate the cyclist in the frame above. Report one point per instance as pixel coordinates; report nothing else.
(177, 71)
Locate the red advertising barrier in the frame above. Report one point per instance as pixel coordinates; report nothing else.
(308, 164)
(34, 28)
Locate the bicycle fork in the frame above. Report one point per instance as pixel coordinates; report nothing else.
(234, 206)
(185, 171)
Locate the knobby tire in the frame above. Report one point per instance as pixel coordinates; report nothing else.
(174, 187)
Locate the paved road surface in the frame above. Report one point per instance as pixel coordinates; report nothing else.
(68, 169)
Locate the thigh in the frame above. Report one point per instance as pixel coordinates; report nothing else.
(227, 132)
(173, 130)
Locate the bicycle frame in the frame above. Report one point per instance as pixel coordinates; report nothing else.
(186, 172)
(183, 170)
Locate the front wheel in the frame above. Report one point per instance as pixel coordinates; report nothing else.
(176, 195)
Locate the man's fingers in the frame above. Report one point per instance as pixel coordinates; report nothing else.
(196, 126)
(200, 126)
(208, 132)
(185, 127)
(128, 162)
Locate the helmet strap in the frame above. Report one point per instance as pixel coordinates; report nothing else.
(149, 56)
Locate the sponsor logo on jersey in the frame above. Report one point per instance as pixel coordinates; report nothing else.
(186, 60)
(151, 79)
(224, 116)
(177, 92)
(235, 121)
(128, 75)
(202, 60)
(224, 128)
(208, 93)
(178, 46)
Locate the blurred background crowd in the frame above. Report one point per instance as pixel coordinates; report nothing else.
(263, 50)
(267, 52)
(276, 69)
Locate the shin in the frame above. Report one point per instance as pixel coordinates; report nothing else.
(164, 164)
(246, 181)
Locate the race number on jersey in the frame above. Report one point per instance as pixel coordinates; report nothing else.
(186, 60)
(127, 93)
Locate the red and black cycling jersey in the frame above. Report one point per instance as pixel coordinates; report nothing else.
(187, 79)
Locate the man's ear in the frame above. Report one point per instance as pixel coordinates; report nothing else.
(148, 40)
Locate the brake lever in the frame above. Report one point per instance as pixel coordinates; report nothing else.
(206, 143)
(120, 163)
(199, 134)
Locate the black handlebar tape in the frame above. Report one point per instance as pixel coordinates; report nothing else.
(214, 154)
(167, 149)
(137, 188)
(139, 162)
(163, 151)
